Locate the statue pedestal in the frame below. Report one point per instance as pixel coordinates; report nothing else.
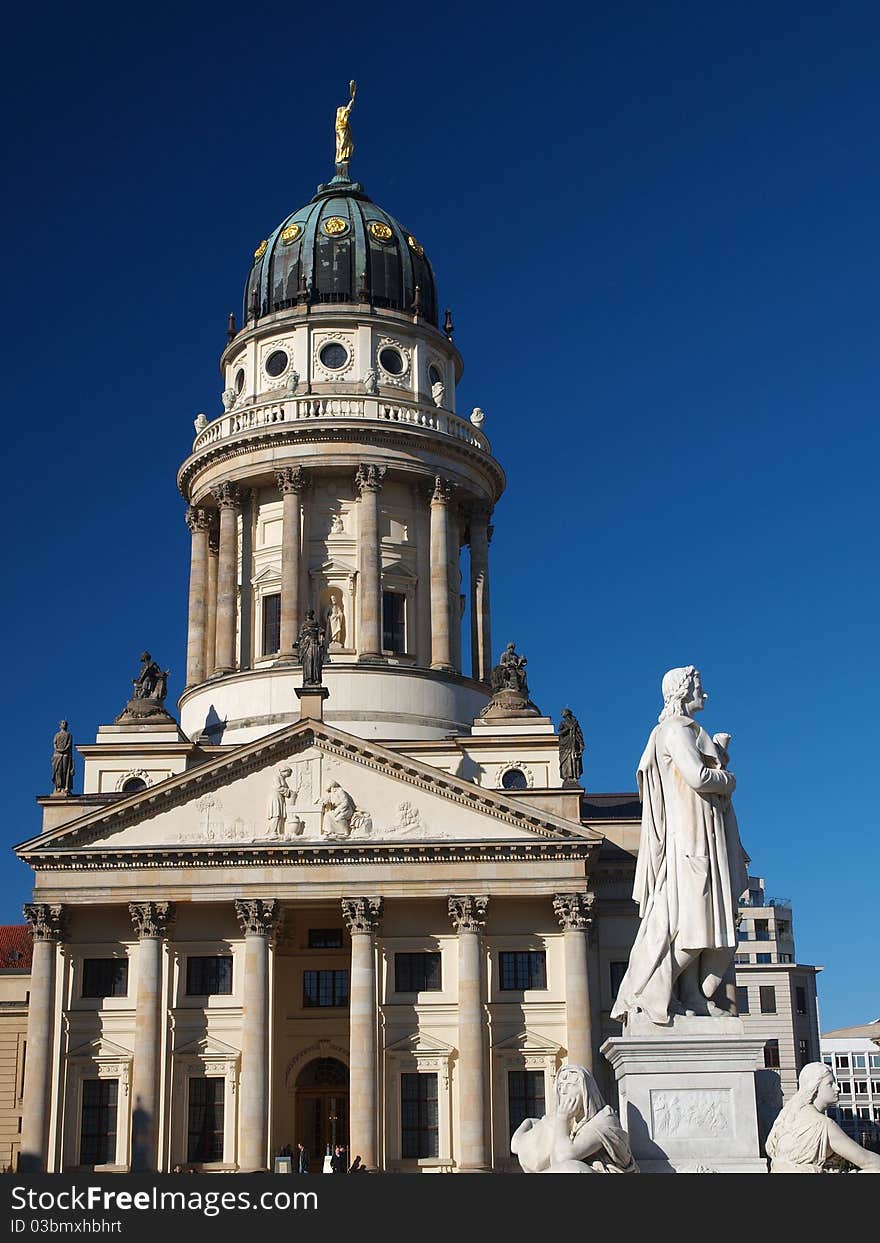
(687, 1095)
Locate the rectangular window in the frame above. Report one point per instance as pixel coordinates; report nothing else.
(23, 1066)
(417, 973)
(742, 1000)
(97, 1135)
(845, 1087)
(525, 1096)
(762, 929)
(618, 971)
(861, 1087)
(841, 1061)
(393, 622)
(105, 977)
(763, 958)
(801, 1000)
(863, 1111)
(771, 1054)
(875, 1087)
(325, 938)
(785, 958)
(271, 625)
(846, 1113)
(209, 976)
(419, 1130)
(803, 1053)
(325, 988)
(205, 1131)
(874, 1061)
(858, 1061)
(522, 969)
(827, 1059)
(742, 959)
(768, 999)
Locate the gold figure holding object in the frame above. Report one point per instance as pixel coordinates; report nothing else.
(344, 140)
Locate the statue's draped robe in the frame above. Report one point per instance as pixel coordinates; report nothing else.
(691, 867)
(601, 1143)
(799, 1141)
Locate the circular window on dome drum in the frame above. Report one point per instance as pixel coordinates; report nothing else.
(434, 375)
(514, 779)
(391, 361)
(239, 380)
(333, 355)
(276, 363)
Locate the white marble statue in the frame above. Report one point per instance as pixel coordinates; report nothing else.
(802, 1138)
(339, 816)
(691, 867)
(478, 418)
(438, 392)
(276, 810)
(200, 423)
(582, 1135)
(292, 383)
(371, 382)
(334, 623)
(229, 395)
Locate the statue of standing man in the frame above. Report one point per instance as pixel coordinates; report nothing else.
(62, 760)
(311, 650)
(571, 748)
(691, 866)
(344, 140)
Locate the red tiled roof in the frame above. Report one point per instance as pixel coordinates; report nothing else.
(16, 946)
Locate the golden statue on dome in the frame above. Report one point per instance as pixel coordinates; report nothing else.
(344, 140)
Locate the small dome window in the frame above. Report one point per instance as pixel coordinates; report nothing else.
(514, 779)
(334, 356)
(134, 785)
(239, 380)
(276, 363)
(434, 375)
(391, 361)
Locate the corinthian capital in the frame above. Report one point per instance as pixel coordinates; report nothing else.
(368, 478)
(442, 490)
(197, 520)
(361, 914)
(468, 914)
(151, 919)
(46, 921)
(574, 910)
(258, 916)
(291, 479)
(227, 495)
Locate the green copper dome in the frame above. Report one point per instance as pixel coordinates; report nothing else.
(340, 247)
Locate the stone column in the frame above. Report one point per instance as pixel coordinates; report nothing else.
(362, 916)
(291, 484)
(211, 600)
(259, 919)
(481, 638)
(46, 922)
(574, 912)
(468, 915)
(368, 482)
(229, 499)
(151, 921)
(441, 650)
(199, 523)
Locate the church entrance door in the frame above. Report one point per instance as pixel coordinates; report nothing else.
(322, 1109)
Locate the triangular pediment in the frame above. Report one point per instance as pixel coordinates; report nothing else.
(527, 1041)
(206, 1046)
(308, 786)
(100, 1049)
(421, 1042)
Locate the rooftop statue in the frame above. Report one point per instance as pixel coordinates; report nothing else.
(510, 690)
(571, 748)
(691, 866)
(311, 650)
(149, 690)
(582, 1135)
(344, 139)
(802, 1138)
(62, 760)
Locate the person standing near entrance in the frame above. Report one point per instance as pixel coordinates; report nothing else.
(302, 1158)
(338, 1163)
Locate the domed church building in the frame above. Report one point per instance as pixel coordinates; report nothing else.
(350, 896)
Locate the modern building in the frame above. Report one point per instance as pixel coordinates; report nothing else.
(853, 1053)
(16, 946)
(776, 995)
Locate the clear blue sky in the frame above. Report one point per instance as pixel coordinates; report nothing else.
(656, 226)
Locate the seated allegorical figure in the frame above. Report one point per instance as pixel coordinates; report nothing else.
(802, 1138)
(582, 1135)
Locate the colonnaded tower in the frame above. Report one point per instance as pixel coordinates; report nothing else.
(340, 479)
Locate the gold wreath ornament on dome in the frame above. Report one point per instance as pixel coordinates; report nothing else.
(261, 249)
(334, 225)
(414, 245)
(291, 233)
(380, 230)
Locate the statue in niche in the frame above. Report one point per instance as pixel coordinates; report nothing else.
(276, 810)
(311, 650)
(62, 760)
(802, 1138)
(339, 816)
(582, 1135)
(334, 623)
(337, 526)
(691, 866)
(438, 392)
(571, 748)
(371, 382)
